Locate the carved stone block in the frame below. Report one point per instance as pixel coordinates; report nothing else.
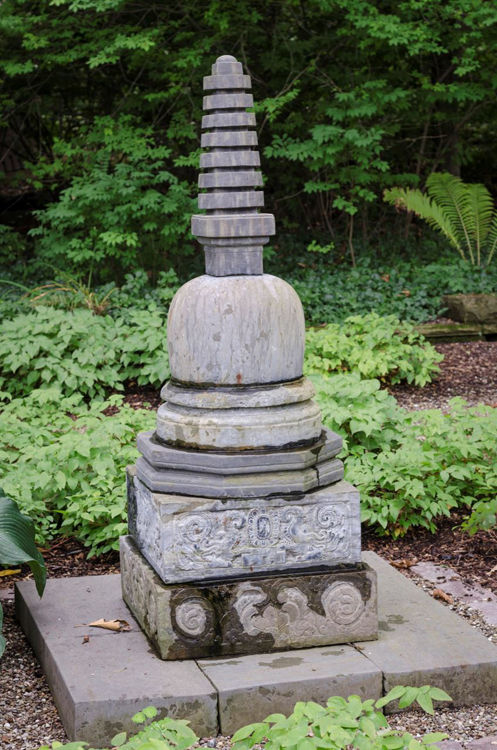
(194, 538)
(249, 614)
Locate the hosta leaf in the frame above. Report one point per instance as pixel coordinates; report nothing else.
(17, 543)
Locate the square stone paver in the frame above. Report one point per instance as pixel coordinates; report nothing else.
(99, 685)
(251, 687)
(423, 642)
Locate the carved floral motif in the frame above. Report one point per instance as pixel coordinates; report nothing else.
(294, 619)
(296, 533)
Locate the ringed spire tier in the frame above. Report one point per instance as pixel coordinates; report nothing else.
(232, 231)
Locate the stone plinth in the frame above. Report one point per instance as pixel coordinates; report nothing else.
(249, 615)
(194, 538)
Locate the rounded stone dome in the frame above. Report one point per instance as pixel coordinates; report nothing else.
(236, 330)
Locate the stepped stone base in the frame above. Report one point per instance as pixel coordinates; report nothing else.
(251, 614)
(99, 684)
(195, 538)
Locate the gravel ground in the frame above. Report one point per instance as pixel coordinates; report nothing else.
(28, 717)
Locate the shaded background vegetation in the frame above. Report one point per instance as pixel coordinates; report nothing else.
(101, 105)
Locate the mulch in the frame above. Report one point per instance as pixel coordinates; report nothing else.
(468, 370)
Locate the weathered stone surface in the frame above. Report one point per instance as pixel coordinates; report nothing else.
(252, 687)
(219, 201)
(240, 178)
(471, 308)
(481, 599)
(100, 684)
(239, 429)
(248, 615)
(234, 397)
(236, 330)
(164, 456)
(227, 261)
(227, 81)
(187, 539)
(257, 484)
(421, 642)
(238, 100)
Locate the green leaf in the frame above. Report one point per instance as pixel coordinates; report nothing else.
(425, 702)
(438, 694)
(246, 731)
(118, 739)
(392, 695)
(17, 543)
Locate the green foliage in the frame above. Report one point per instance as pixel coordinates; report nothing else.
(410, 290)
(65, 463)
(374, 347)
(351, 98)
(115, 213)
(342, 723)
(463, 213)
(164, 734)
(17, 546)
(412, 468)
(82, 353)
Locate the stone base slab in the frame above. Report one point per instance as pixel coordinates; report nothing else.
(251, 614)
(194, 538)
(98, 685)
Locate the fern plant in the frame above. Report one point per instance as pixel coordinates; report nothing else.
(463, 212)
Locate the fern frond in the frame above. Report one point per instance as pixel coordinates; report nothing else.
(491, 243)
(451, 195)
(424, 207)
(480, 214)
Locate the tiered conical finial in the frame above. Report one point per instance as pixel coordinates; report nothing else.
(231, 231)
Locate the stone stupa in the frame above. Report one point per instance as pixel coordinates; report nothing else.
(243, 535)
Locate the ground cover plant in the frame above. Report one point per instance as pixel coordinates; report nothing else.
(410, 289)
(83, 353)
(412, 467)
(340, 724)
(64, 446)
(373, 346)
(64, 461)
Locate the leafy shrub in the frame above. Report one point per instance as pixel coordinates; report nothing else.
(364, 415)
(374, 347)
(65, 463)
(80, 352)
(412, 468)
(115, 213)
(17, 546)
(340, 724)
(409, 290)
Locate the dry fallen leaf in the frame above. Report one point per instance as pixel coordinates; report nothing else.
(439, 594)
(404, 563)
(118, 626)
(10, 572)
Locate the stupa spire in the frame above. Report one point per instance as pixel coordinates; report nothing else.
(232, 230)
